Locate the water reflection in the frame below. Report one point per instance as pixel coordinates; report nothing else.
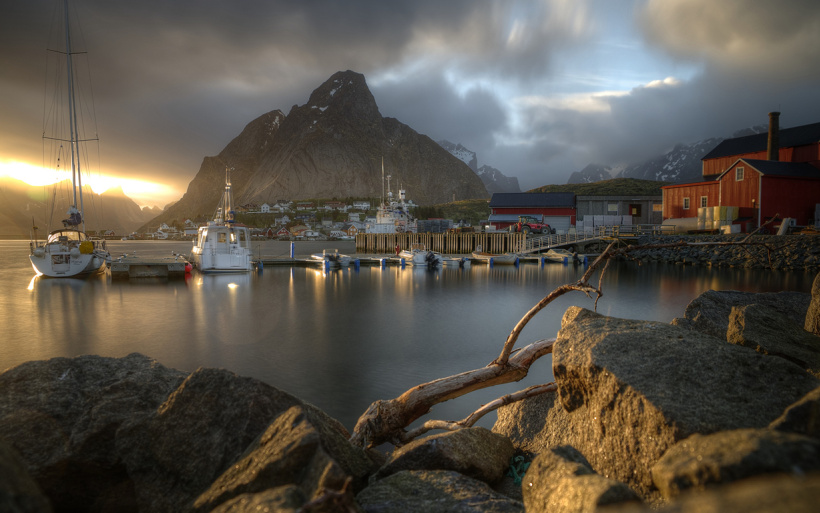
(339, 339)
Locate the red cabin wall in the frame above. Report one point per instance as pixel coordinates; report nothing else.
(740, 194)
(673, 199)
(790, 197)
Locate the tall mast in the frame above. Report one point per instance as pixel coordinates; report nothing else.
(76, 178)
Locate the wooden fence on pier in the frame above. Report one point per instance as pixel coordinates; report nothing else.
(447, 243)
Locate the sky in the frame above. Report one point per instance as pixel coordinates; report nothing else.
(537, 88)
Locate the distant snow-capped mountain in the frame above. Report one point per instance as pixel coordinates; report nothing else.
(493, 179)
(682, 163)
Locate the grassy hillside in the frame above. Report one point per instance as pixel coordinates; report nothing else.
(614, 187)
(474, 211)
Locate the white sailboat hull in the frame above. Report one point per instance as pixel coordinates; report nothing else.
(56, 262)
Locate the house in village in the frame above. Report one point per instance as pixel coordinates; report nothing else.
(594, 211)
(361, 205)
(556, 208)
(760, 176)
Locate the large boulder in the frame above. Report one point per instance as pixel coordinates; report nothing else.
(63, 416)
(770, 332)
(301, 447)
(802, 417)
(18, 491)
(475, 452)
(434, 491)
(777, 493)
(560, 480)
(196, 434)
(812, 324)
(628, 390)
(718, 458)
(709, 312)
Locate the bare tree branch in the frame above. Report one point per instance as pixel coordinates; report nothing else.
(386, 420)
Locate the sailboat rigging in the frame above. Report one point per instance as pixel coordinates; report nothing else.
(69, 251)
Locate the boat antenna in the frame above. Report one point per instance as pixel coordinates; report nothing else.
(228, 200)
(76, 178)
(382, 198)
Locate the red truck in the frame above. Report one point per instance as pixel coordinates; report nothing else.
(527, 224)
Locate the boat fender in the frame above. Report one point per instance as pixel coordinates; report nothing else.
(188, 267)
(39, 252)
(86, 247)
(74, 252)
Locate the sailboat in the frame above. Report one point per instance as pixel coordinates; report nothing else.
(69, 251)
(221, 246)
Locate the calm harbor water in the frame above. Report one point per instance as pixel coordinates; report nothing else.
(341, 339)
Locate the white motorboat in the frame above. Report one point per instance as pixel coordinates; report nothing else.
(456, 262)
(495, 258)
(419, 255)
(68, 251)
(331, 258)
(221, 246)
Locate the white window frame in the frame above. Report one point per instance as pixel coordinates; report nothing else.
(704, 201)
(612, 208)
(739, 173)
(686, 203)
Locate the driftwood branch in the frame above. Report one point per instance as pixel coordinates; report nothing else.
(386, 420)
(471, 419)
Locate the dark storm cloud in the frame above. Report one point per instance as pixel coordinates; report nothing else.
(177, 80)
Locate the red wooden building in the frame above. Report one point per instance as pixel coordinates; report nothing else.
(764, 175)
(555, 208)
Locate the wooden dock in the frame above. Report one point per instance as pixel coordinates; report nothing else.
(130, 267)
(445, 243)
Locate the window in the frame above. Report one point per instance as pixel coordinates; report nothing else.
(657, 207)
(739, 174)
(612, 208)
(686, 203)
(635, 210)
(703, 202)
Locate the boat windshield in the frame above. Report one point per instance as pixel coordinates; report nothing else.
(66, 236)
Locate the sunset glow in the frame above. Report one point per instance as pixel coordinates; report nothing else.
(143, 192)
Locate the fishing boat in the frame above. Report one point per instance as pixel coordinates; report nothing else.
(495, 258)
(68, 252)
(221, 246)
(419, 255)
(392, 215)
(331, 258)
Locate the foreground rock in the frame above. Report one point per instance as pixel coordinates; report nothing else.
(106, 434)
(709, 312)
(63, 417)
(769, 332)
(777, 493)
(703, 460)
(561, 480)
(802, 417)
(18, 491)
(812, 324)
(474, 452)
(629, 390)
(434, 491)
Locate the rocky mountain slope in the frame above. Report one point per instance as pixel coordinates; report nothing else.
(332, 146)
(22, 205)
(493, 179)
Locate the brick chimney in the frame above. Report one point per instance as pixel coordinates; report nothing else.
(773, 148)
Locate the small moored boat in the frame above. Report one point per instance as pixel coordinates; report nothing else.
(494, 258)
(331, 258)
(418, 254)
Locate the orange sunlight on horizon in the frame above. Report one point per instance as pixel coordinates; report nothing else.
(143, 192)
